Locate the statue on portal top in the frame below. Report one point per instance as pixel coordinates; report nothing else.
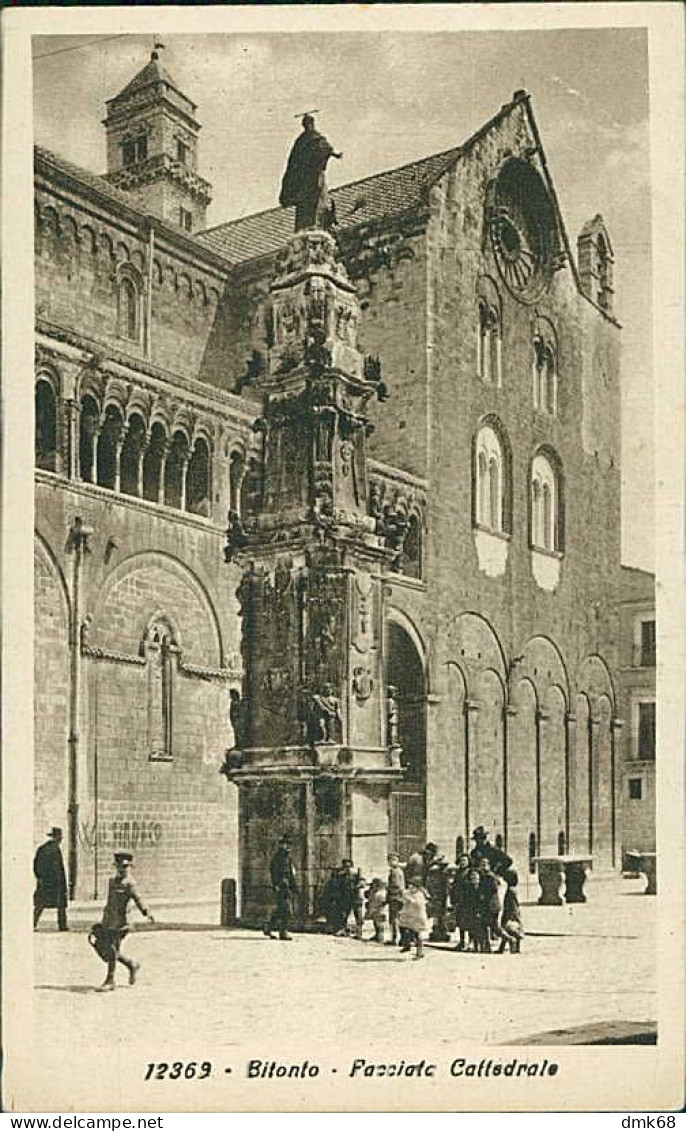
(304, 182)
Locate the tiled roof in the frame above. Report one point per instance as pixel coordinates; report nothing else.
(373, 198)
(152, 73)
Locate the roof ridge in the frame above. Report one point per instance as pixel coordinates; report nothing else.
(339, 188)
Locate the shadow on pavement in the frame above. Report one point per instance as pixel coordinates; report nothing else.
(598, 1033)
(69, 989)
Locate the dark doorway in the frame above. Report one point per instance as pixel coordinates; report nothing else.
(405, 673)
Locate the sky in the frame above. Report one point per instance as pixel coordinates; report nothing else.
(387, 99)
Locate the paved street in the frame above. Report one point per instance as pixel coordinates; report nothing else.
(201, 988)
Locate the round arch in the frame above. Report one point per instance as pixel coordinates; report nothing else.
(149, 559)
(400, 618)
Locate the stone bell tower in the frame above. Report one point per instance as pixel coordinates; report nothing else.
(314, 757)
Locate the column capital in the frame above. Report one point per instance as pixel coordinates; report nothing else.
(510, 711)
(570, 718)
(471, 705)
(616, 723)
(593, 722)
(542, 716)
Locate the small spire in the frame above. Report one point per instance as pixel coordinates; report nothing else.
(157, 46)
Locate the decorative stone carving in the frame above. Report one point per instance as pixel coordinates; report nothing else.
(323, 716)
(363, 684)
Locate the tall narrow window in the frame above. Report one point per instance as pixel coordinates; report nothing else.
(411, 562)
(46, 426)
(109, 442)
(128, 310)
(544, 370)
(646, 731)
(89, 424)
(141, 148)
(648, 644)
(546, 505)
(160, 651)
(491, 481)
(152, 464)
(198, 480)
(489, 345)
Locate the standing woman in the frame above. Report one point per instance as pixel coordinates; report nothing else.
(121, 892)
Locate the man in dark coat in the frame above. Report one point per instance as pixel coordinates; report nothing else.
(283, 884)
(51, 881)
(484, 850)
(304, 183)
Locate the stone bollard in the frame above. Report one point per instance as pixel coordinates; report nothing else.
(227, 915)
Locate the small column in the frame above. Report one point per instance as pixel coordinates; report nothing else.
(142, 452)
(471, 708)
(70, 448)
(509, 712)
(593, 725)
(164, 455)
(118, 444)
(184, 471)
(97, 427)
(541, 718)
(570, 766)
(616, 727)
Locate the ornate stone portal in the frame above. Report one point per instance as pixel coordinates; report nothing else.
(313, 755)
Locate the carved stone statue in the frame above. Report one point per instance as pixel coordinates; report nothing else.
(235, 536)
(324, 716)
(237, 717)
(304, 182)
(392, 716)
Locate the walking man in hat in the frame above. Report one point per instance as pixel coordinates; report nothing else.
(121, 891)
(284, 888)
(51, 881)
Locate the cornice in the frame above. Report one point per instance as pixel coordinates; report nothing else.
(51, 335)
(110, 202)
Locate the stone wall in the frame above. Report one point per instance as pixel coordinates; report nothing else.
(143, 568)
(82, 253)
(474, 623)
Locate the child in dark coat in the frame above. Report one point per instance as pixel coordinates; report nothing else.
(462, 899)
(513, 929)
(491, 894)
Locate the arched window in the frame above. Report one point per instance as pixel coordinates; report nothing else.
(491, 481)
(174, 472)
(198, 480)
(128, 309)
(108, 448)
(89, 423)
(46, 426)
(544, 368)
(160, 650)
(411, 559)
(131, 456)
(152, 463)
(489, 331)
(546, 504)
(489, 344)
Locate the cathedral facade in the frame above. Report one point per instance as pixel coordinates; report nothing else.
(482, 487)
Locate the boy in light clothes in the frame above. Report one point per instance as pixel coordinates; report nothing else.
(413, 919)
(396, 890)
(377, 908)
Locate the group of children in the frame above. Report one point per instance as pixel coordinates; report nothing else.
(484, 904)
(486, 907)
